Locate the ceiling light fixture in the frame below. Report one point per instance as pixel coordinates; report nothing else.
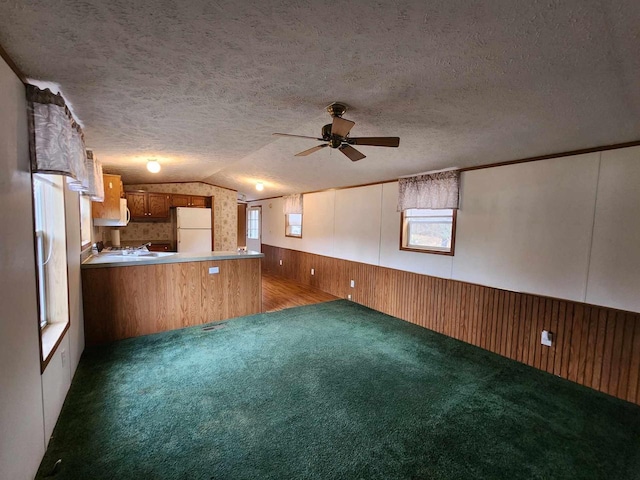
(153, 166)
(259, 186)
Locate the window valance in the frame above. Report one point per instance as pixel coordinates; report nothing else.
(56, 143)
(292, 203)
(436, 191)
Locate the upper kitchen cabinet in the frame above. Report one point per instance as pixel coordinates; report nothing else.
(178, 200)
(158, 205)
(110, 207)
(137, 201)
(148, 206)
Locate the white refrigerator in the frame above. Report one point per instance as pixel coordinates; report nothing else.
(193, 228)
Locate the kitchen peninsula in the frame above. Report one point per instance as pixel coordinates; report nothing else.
(129, 295)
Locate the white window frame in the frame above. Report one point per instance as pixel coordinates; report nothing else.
(39, 200)
(50, 227)
(405, 225)
(253, 231)
(85, 222)
(290, 225)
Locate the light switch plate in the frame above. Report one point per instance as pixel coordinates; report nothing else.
(213, 270)
(353, 284)
(313, 271)
(546, 338)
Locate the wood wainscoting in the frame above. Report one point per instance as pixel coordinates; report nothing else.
(124, 302)
(594, 346)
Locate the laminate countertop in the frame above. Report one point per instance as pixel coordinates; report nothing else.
(117, 259)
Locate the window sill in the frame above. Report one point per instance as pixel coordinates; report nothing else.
(50, 338)
(424, 250)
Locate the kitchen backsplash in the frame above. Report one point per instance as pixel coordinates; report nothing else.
(146, 231)
(225, 228)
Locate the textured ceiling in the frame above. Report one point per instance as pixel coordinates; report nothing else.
(201, 85)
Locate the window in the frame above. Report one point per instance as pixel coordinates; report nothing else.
(430, 231)
(85, 221)
(51, 259)
(253, 223)
(293, 225)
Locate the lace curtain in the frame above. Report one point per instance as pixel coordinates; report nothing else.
(95, 185)
(57, 144)
(435, 191)
(292, 203)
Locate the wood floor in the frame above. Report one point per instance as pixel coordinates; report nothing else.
(279, 293)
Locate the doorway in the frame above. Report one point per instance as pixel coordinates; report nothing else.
(242, 225)
(254, 228)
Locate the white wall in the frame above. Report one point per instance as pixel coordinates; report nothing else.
(74, 244)
(56, 379)
(357, 223)
(527, 227)
(565, 227)
(21, 418)
(614, 272)
(318, 232)
(29, 403)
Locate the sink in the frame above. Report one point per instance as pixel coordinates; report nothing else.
(133, 254)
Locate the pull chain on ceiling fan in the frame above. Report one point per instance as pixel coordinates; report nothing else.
(336, 135)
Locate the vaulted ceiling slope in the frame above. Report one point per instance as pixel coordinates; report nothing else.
(202, 85)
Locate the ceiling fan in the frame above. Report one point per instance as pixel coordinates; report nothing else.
(336, 134)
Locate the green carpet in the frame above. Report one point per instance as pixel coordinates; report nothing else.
(330, 391)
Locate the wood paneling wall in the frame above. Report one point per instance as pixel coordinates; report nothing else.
(124, 302)
(594, 346)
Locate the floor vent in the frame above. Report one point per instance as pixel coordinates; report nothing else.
(213, 327)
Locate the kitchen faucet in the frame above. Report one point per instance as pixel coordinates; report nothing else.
(144, 246)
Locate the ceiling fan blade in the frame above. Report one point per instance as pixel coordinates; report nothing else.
(375, 141)
(311, 150)
(297, 136)
(353, 154)
(341, 127)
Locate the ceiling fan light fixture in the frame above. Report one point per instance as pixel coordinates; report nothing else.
(153, 166)
(259, 186)
(336, 135)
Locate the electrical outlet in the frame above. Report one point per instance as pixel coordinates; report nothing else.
(280, 262)
(313, 271)
(349, 297)
(546, 338)
(353, 284)
(213, 270)
(63, 355)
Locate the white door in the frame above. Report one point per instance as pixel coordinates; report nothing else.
(254, 228)
(194, 240)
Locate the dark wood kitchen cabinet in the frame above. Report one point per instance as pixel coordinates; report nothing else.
(160, 247)
(180, 200)
(136, 202)
(158, 205)
(148, 206)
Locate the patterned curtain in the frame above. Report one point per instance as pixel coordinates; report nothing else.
(435, 191)
(292, 203)
(56, 143)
